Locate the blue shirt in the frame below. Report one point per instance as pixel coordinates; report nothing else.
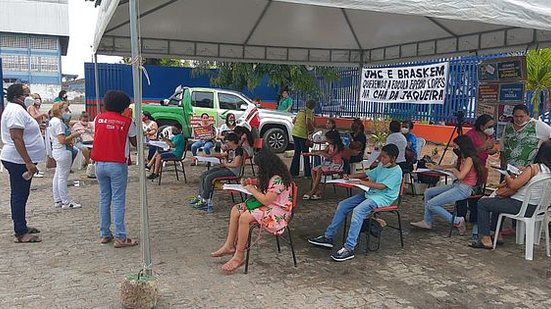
(411, 138)
(391, 177)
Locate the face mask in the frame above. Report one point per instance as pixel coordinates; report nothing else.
(28, 102)
(522, 124)
(405, 130)
(66, 116)
(489, 131)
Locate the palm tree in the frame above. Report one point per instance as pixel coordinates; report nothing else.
(538, 62)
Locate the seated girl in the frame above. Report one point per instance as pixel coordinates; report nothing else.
(468, 175)
(332, 163)
(270, 206)
(245, 138)
(177, 142)
(230, 168)
(490, 208)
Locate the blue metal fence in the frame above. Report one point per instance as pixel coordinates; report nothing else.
(341, 98)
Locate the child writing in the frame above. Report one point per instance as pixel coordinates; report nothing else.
(272, 210)
(333, 163)
(469, 174)
(384, 183)
(177, 142)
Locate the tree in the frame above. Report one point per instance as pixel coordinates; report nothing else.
(538, 63)
(294, 77)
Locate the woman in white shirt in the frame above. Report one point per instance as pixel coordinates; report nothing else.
(61, 139)
(23, 148)
(397, 138)
(511, 205)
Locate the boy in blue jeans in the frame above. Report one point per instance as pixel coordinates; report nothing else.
(177, 142)
(384, 183)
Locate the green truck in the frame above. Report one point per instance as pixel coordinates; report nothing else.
(275, 126)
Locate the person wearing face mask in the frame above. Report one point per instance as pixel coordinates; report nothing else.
(384, 183)
(86, 130)
(521, 138)
(205, 135)
(177, 142)
(397, 138)
(33, 107)
(407, 127)
(482, 137)
(61, 139)
(468, 172)
(23, 147)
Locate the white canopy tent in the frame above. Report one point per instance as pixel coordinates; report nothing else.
(321, 32)
(328, 32)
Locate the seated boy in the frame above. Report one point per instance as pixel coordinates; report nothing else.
(177, 142)
(384, 183)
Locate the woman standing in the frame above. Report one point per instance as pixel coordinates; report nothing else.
(23, 148)
(482, 137)
(303, 126)
(61, 139)
(110, 152)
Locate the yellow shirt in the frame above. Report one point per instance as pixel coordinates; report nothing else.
(300, 129)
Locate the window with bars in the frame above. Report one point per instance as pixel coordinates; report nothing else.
(14, 41)
(37, 42)
(44, 64)
(15, 63)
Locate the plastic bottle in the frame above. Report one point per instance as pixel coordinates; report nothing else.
(210, 206)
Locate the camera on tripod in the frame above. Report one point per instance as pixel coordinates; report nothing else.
(460, 115)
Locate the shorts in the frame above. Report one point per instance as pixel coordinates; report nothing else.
(167, 155)
(329, 166)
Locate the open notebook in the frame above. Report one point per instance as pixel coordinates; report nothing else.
(352, 182)
(434, 170)
(236, 187)
(211, 160)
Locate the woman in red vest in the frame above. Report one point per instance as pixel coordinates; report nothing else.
(113, 132)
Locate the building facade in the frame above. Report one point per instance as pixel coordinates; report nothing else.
(34, 34)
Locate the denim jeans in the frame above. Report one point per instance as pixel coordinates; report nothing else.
(437, 197)
(300, 147)
(112, 178)
(20, 189)
(207, 146)
(63, 161)
(206, 179)
(361, 208)
(489, 209)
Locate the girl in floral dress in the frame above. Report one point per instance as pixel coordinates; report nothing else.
(272, 189)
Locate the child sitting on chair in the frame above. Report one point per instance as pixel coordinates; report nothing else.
(270, 206)
(230, 168)
(384, 188)
(333, 163)
(177, 142)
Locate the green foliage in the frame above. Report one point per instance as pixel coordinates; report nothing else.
(538, 64)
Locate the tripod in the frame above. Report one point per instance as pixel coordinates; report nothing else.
(459, 129)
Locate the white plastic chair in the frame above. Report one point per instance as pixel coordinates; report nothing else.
(421, 142)
(527, 227)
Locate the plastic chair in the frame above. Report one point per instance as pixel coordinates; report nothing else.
(231, 179)
(421, 142)
(176, 161)
(394, 209)
(294, 192)
(527, 226)
(473, 197)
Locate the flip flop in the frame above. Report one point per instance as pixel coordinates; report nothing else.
(32, 239)
(315, 197)
(479, 245)
(306, 197)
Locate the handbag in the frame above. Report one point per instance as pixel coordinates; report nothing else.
(505, 191)
(50, 162)
(252, 203)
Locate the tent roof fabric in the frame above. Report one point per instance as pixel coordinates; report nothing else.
(324, 32)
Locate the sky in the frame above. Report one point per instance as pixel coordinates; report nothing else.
(82, 26)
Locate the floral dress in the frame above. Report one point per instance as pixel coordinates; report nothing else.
(274, 217)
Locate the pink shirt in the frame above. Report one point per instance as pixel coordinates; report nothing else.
(471, 178)
(478, 141)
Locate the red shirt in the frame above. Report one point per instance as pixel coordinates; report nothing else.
(253, 118)
(110, 137)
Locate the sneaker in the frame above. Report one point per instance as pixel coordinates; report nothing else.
(321, 241)
(460, 225)
(201, 205)
(194, 200)
(58, 204)
(342, 255)
(71, 205)
(152, 176)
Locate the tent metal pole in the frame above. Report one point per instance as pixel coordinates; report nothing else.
(96, 84)
(136, 82)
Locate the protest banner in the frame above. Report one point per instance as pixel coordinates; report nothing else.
(421, 84)
(202, 130)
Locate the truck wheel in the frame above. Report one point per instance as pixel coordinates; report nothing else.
(276, 139)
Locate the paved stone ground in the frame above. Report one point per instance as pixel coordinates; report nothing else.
(70, 269)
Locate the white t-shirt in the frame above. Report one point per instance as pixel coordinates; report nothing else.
(401, 142)
(56, 128)
(16, 117)
(537, 190)
(131, 133)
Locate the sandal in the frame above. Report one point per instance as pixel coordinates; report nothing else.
(106, 240)
(123, 243)
(315, 197)
(31, 239)
(479, 245)
(306, 197)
